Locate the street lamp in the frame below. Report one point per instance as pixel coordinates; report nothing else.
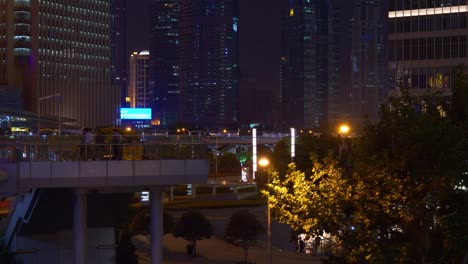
(39, 111)
(264, 162)
(343, 131)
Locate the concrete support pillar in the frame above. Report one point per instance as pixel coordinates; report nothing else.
(172, 193)
(235, 189)
(156, 226)
(80, 226)
(214, 189)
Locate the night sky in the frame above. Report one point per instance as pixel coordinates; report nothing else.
(260, 40)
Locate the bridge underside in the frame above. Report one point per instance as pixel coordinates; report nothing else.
(96, 174)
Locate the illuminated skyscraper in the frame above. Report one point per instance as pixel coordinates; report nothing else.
(141, 96)
(62, 48)
(305, 63)
(427, 40)
(368, 64)
(209, 62)
(164, 59)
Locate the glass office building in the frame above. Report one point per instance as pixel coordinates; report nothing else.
(57, 52)
(368, 60)
(141, 96)
(209, 64)
(428, 39)
(118, 42)
(164, 61)
(305, 63)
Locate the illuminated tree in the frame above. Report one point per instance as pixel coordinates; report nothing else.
(397, 197)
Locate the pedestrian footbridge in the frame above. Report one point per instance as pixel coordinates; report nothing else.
(32, 165)
(26, 165)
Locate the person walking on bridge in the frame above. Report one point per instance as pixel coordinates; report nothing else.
(116, 147)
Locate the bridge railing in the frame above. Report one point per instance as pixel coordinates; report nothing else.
(134, 147)
(12, 151)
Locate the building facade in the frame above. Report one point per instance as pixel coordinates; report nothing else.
(368, 61)
(427, 39)
(338, 63)
(141, 96)
(58, 54)
(208, 66)
(305, 63)
(164, 61)
(119, 48)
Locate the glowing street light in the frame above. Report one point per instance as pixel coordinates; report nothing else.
(344, 129)
(264, 162)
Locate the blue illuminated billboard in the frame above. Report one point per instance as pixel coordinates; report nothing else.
(135, 113)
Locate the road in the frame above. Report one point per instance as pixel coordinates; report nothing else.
(217, 251)
(280, 233)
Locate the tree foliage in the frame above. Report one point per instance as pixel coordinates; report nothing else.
(125, 251)
(308, 147)
(141, 222)
(224, 163)
(395, 196)
(242, 230)
(193, 226)
(459, 110)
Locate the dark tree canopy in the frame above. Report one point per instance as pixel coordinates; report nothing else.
(141, 222)
(242, 230)
(193, 226)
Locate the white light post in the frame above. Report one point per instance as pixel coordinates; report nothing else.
(216, 158)
(254, 152)
(293, 143)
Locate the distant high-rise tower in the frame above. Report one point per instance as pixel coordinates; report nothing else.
(138, 86)
(338, 63)
(119, 48)
(50, 48)
(368, 64)
(209, 63)
(305, 63)
(427, 40)
(164, 59)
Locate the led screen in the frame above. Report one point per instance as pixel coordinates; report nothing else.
(135, 113)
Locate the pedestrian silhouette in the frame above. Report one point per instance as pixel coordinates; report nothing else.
(116, 147)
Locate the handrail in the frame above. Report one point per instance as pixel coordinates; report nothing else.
(75, 151)
(69, 147)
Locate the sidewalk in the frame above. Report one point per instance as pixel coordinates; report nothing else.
(217, 251)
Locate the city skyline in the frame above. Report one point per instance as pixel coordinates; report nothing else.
(342, 76)
(259, 50)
